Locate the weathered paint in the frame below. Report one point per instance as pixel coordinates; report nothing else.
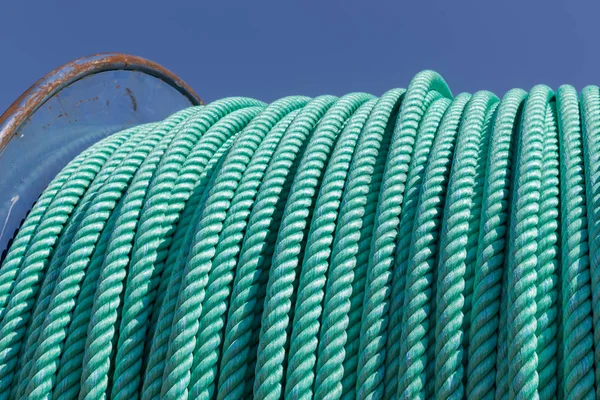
(67, 111)
(63, 76)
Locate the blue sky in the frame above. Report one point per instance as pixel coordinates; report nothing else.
(269, 49)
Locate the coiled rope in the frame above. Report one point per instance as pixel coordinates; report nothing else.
(415, 245)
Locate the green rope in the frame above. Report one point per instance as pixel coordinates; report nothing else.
(415, 245)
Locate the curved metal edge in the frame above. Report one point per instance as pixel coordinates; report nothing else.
(34, 97)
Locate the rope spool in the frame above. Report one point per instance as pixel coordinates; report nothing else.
(415, 245)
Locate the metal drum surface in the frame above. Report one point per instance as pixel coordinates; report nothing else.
(67, 111)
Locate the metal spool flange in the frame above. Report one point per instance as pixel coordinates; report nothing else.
(68, 110)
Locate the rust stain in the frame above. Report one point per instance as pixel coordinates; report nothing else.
(132, 97)
(80, 102)
(49, 85)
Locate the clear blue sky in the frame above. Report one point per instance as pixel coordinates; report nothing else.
(271, 49)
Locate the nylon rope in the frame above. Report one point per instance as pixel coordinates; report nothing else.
(414, 245)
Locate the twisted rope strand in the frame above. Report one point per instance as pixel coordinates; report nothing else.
(578, 358)
(423, 255)
(491, 251)
(304, 339)
(337, 303)
(423, 90)
(459, 235)
(522, 266)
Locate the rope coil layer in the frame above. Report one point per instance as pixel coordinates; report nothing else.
(415, 245)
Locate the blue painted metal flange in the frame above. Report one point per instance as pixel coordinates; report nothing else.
(69, 109)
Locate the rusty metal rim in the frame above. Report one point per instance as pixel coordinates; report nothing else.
(34, 97)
